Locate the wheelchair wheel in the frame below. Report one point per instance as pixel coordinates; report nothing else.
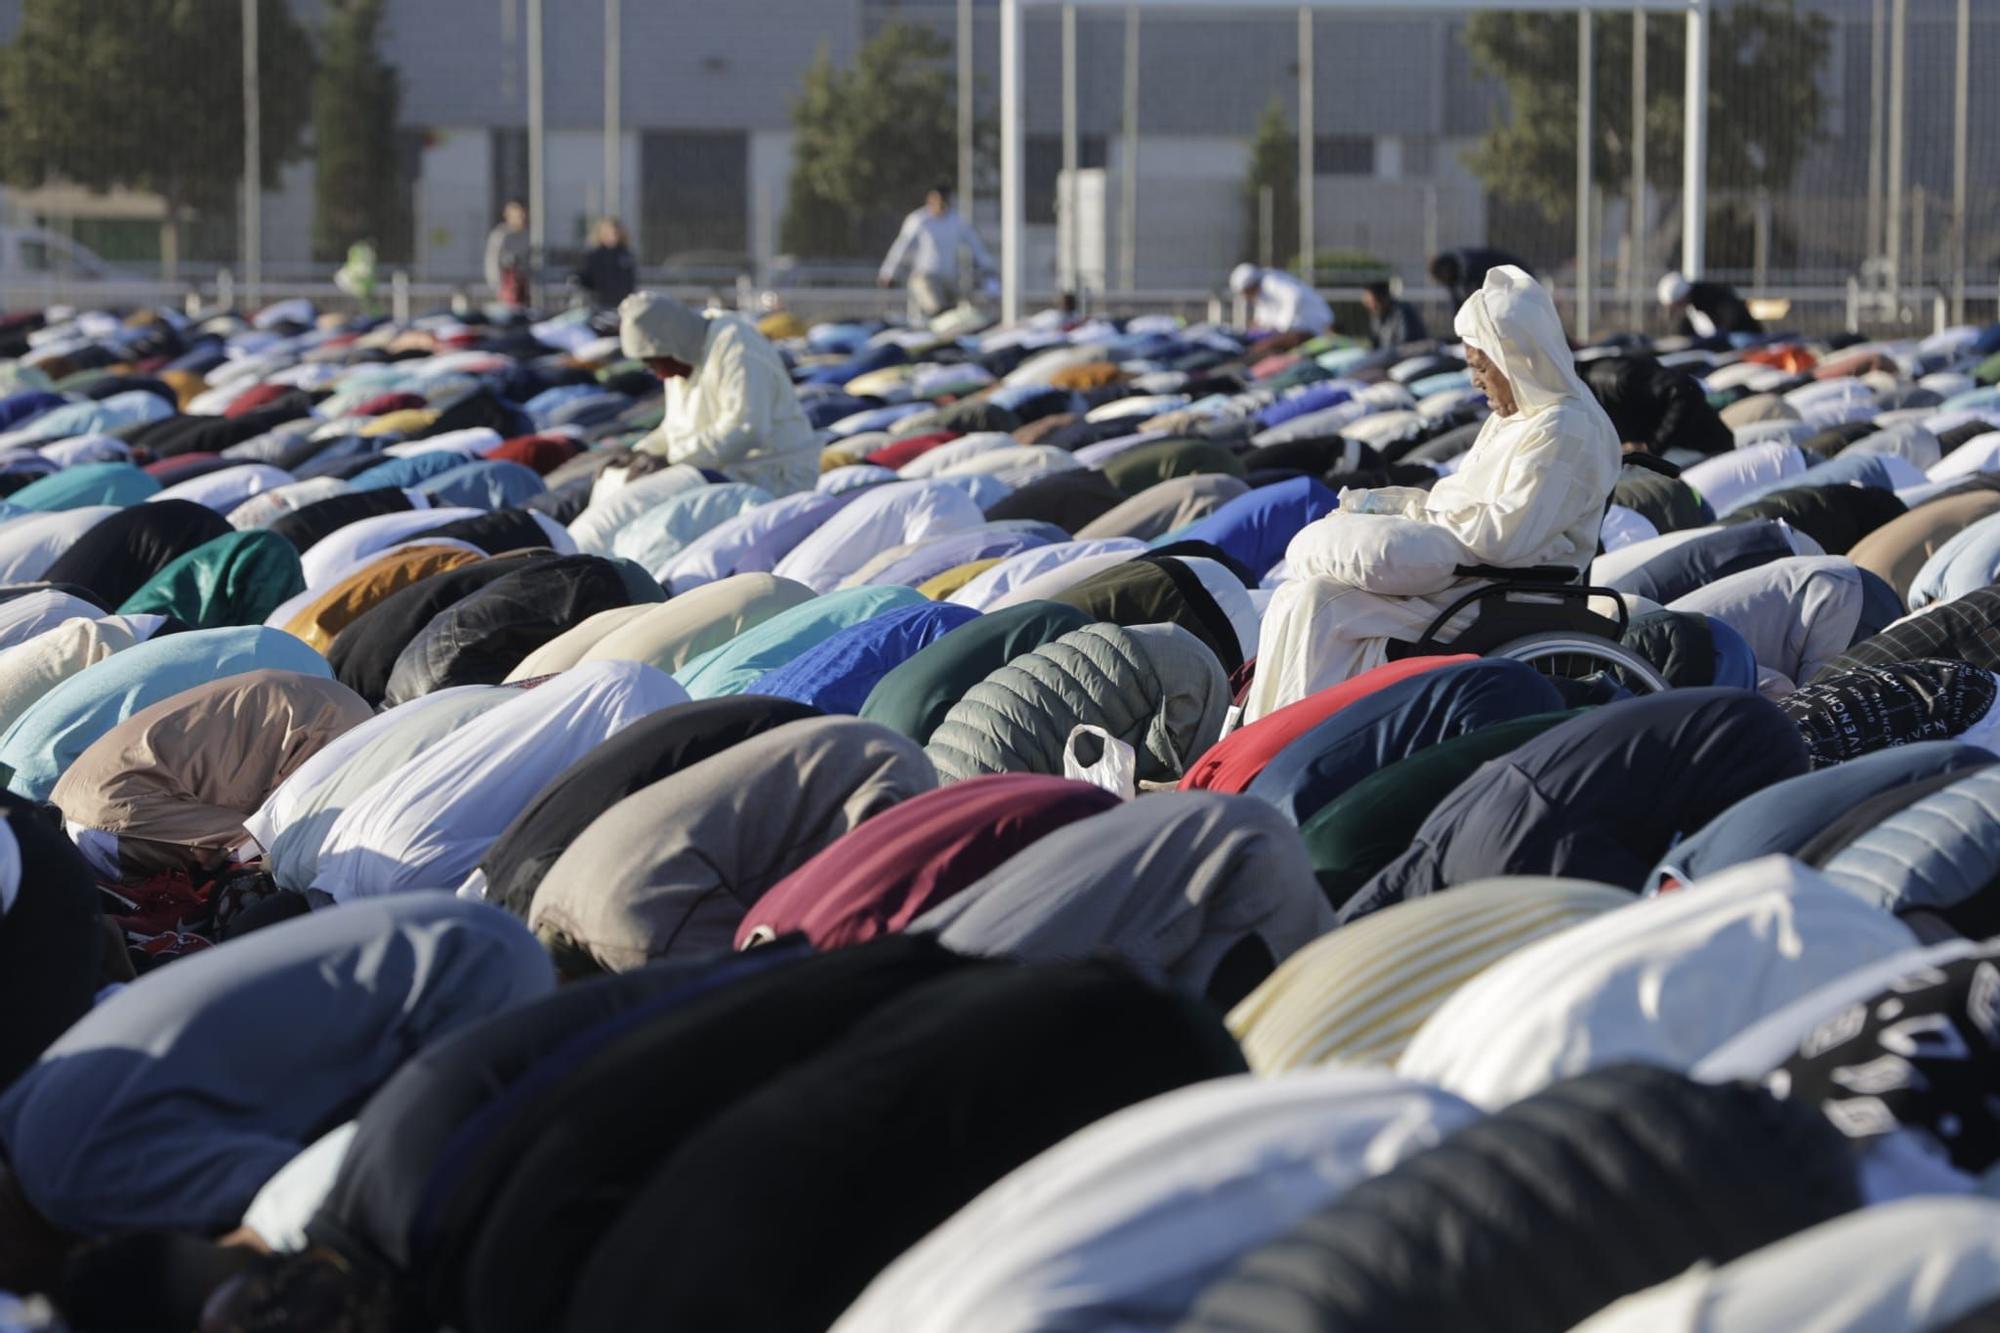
(1574, 656)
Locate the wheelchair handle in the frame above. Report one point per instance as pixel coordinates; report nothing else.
(1569, 590)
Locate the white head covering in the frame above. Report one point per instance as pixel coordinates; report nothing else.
(1674, 289)
(1512, 320)
(1243, 277)
(653, 324)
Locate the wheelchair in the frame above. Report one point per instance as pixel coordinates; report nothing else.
(1540, 616)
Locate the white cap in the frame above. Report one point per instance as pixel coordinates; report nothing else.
(1674, 289)
(1243, 277)
(651, 324)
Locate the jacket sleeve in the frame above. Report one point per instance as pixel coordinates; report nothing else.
(1540, 494)
(494, 242)
(1284, 299)
(894, 259)
(739, 391)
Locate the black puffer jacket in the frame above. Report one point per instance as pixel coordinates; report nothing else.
(1834, 516)
(1657, 405)
(1668, 503)
(1543, 1213)
(479, 639)
(1601, 798)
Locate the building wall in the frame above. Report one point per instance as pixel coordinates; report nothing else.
(1405, 82)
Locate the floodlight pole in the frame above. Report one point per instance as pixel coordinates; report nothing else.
(1072, 241)
(967, 187)
(1877, 66)
(1959, 164)
(614, 163)
(1013, 229)
(1586, 93)
(1694, 146)
(1899, 65)
(1635, 269)
(1307, 171)
(253, 164)
(537, 163)
(1128, 190)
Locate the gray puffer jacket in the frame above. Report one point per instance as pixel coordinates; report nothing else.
(1156, 687)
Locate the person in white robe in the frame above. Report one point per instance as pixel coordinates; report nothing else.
(730, 405)
(1531, 492)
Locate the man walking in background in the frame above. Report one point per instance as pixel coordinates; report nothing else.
(931, 239)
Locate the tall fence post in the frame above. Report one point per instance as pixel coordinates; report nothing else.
(1308, 170)
(399, 296)
(1960, 222)
(253, 160)
(1586, 93)
(1128, 192)
(1266, 225)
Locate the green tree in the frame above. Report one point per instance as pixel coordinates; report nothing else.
(147, 94)
(1765, 104)
(1274, 164)
(360, 194)
(869, 141)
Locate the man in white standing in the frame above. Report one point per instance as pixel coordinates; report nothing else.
(1279, 302)
(930, 240)
(730, 404)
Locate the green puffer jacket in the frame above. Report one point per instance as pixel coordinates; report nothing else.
(1156, 687)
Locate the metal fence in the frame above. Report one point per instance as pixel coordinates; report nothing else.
(1853, 160)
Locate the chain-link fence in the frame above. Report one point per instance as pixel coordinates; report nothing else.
(775, 147)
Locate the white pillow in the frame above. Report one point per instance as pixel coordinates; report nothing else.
(1382, 553)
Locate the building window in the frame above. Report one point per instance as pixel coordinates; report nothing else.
(694, 198)
(1043, 169)
(1343, 155)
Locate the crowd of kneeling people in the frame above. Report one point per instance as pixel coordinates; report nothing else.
(690, 822)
